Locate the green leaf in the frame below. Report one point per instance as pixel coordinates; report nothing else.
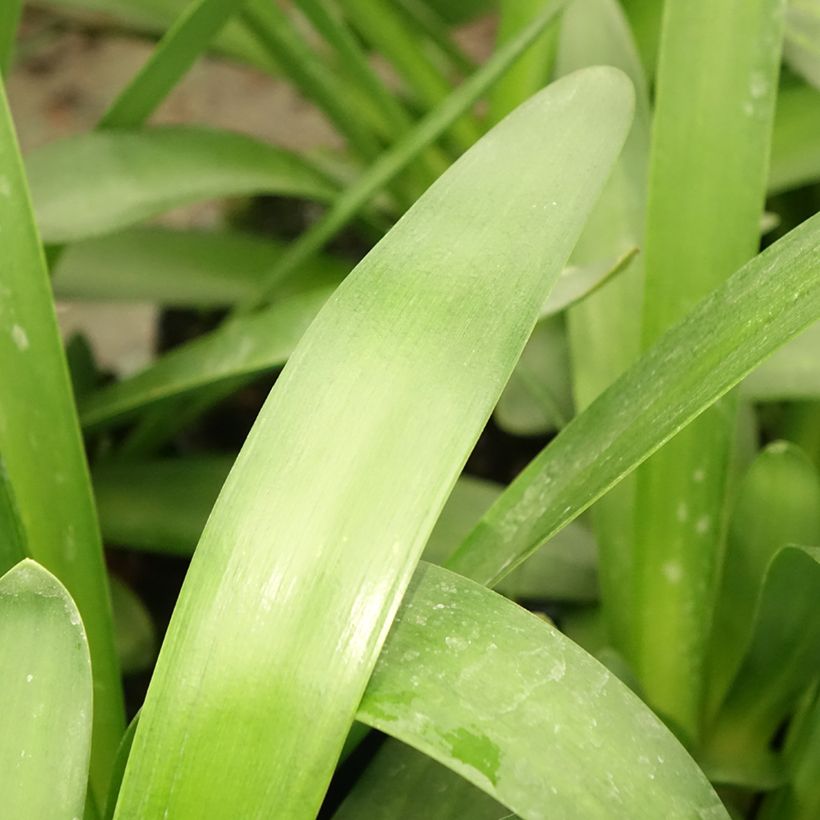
(12, 536)
(795, 159)
(175, 53)
(778, 503)
(510, 704)
(99, 182)
(792, 373)
(156, 17)
(538, 397)
(401, 154)
(708, 164)
(9, 20)
(358, 445)
(41, 444)
(801, 49)
(246, 346)
(45, 680)
(770, 299)
(134, 630)
(181, 268)
(383, 28)
(533, 70)
(403, 784)
(800, 798)
(604, 335)
(781, 659)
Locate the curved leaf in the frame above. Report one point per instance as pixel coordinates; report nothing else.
(350, 462)
(103, 181)
(45, 684)
(41, 444)
(769, 300)
(778, 503)
(781, 659)
(245, 346)
(508, 702)
(181, 268)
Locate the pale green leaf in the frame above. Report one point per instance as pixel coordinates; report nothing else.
(508, 702)
(181, 268)
(99, 182)
(45, 684)
(350, 462)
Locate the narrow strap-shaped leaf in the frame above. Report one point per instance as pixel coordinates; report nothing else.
(273, 27)
(184, 268)
(397, 158)
(708, 165)
(45, 684)
(792, 373)
(532, 71)
(351, 460)
(382, 26)
(9, 19)
(509, 703)
(645, 20)
(175, 53)
(795, 148)
(41, 445)
(246, 346)
(100, 182)
(782, 658)
(768, 301)
(778, 503)
(603, 333)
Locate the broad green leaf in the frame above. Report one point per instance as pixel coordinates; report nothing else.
(402, 153)
(778, 503)
(99, 182)
(795, 159)
(248, 345)
(176, 52)
(604, 335)
(708, 164)
(41, 444)
(792, 373)
(403, 784)
(533, 70)
(358, 445)
(45, 681)
(769, 300)
(800, 798)
(509, 703)
(781, 660)
(801, 48)
(538, 397)
(181, 268)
